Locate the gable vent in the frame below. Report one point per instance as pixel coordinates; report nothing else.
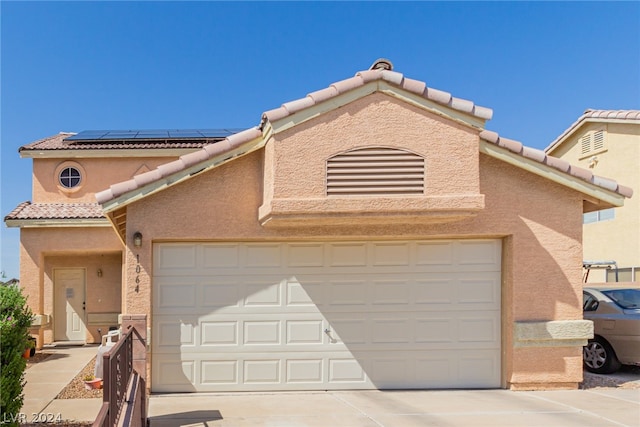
(598, 140)
(593, 141)
(375, 171)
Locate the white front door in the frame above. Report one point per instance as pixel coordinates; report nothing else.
(69, 311)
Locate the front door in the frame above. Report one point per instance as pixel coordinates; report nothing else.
(69, 312)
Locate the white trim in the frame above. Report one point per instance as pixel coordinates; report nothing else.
(433, 107)
(57, 223)
(183, 175)
(343, 99)
(552, 174)
(106, 152)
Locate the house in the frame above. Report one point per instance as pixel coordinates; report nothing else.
(372, 234)
(607, 142)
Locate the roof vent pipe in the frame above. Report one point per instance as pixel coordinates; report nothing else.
(382, 64)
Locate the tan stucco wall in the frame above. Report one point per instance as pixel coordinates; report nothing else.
(99, 173)
(541, 228)
(450, 151)
(617, 239)
(43, 249)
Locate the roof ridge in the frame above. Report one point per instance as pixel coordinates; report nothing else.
(559, 164)
(362, 78)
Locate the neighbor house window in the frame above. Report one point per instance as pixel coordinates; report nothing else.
(629, 274)
(598, 216)
(70, 177)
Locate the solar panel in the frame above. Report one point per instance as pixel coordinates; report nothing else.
(106, 135)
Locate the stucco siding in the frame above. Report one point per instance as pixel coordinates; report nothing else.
(376, 120)
(540, 223)
(617, 239)
(42, 249)
(98, 173)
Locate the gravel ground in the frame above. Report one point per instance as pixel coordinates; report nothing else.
(76, 389)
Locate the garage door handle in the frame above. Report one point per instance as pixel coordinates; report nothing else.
(332, 340)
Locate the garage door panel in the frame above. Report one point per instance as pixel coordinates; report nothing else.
(172, 334)
(220, 257)
(219, 372)
(306, 255)
(261, 294)
(260, 256)
(391, 254)
(216, 295)
(176, 294)
(479, 329)
(219, 333)
(175, 259)
(305, 371)
(326, 315)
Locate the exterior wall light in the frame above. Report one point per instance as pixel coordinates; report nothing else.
(137, 239)
(99, 272)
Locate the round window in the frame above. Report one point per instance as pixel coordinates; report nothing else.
(69, 177)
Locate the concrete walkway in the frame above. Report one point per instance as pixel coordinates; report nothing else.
(594, 407)
(597, 407)
(47, 378)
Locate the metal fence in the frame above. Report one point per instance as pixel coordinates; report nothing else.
(124, 389)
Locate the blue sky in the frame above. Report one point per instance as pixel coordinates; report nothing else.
(72, 66)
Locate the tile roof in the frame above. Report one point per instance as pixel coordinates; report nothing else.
(596, 115)
(212, 150)
(382, 73)
(57, 142)
(392, 77)
(556, 163)
(28, 210)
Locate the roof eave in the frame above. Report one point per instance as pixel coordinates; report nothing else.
(130, 152)
(57, 223)
(593, 192)
(182, 175)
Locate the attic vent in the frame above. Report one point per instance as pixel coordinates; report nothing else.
(598, 140)
(376, 171)
(593, 141)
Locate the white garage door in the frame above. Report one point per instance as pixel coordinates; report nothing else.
(326, 316)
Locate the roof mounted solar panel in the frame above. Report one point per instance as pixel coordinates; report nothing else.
(151, 134)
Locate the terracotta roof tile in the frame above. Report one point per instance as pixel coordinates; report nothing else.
(632, 115)
(184, 162)
(57, 142)
(28, 210)
(556, 163)
(363, 77)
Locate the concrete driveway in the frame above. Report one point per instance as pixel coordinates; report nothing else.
(596, 407)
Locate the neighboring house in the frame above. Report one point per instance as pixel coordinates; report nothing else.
(370, 235)
(10, 282)
(607, 142)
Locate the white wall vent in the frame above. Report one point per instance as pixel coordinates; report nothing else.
(375, 171)
(592, 142)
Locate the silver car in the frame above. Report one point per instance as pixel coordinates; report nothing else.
(615, 313)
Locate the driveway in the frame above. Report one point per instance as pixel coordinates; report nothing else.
(596, 407)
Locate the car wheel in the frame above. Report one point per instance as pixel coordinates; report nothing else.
(599, 357)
